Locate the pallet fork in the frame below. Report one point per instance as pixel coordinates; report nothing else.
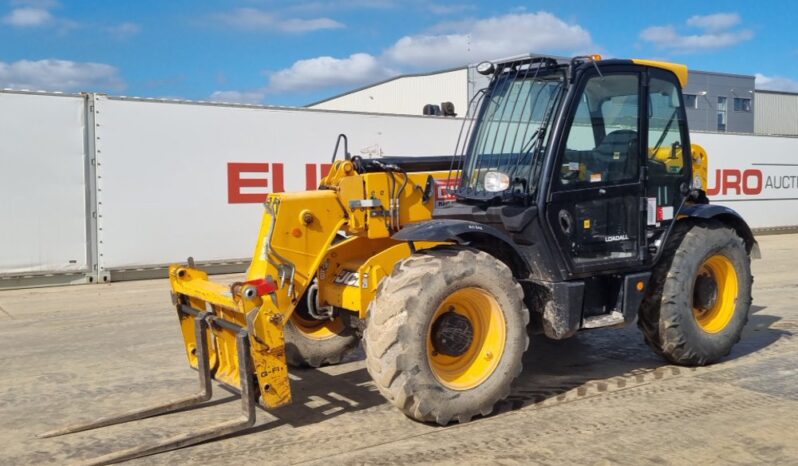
(202, 320)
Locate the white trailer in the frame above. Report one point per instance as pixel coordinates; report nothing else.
(100, 188)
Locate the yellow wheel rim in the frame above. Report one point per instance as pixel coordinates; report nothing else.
(482, 356)
(714, 313)
(317, 329)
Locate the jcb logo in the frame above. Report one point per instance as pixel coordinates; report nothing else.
(732, 181)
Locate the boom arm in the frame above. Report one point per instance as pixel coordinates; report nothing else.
(349, 221)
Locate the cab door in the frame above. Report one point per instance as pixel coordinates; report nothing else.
(596, 194)
(668, 155)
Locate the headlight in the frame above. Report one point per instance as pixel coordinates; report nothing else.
(496, 181)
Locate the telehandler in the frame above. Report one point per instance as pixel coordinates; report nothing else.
(574, 201)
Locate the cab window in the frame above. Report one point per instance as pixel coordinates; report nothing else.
(664, 128)
(603, 140)
(667, 154)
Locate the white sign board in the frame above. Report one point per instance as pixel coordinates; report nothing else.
(179, 179)
(42, 187)
(757, 176)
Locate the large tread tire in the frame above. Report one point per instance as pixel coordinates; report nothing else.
(303, 350)
(398, 328)
(666, 314)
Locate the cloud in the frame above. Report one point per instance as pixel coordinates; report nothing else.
(59, 75)
(29, 14)
(716, 33)
(321, 72)
(666, 37)
(715, 22)
(775, 83)
(446, 44)
(470, 41)
(123, 30)
(449, 8)
(312, 74)
(241, 97)
(28, 17)
(253, 19)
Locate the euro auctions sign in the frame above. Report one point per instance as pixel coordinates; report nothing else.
(750, 168)
(753, 181)
(251, 183)
(756, 176)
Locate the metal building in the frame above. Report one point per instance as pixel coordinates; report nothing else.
(405, 94)
(720, 102)
(717, 102)
(776, 113)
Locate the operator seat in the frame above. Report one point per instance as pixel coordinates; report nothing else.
(618, 155)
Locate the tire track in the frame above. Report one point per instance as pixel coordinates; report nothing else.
(447, 447)
(359, 429)
(525, 401)
(7, 314)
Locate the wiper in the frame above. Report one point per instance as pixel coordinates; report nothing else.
(664, 133)
(532, 139)
(535, 142)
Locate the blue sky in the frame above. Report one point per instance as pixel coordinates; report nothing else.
(296, 52)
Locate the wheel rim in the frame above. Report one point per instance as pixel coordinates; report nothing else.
(313, 328)
(317, 329)
(715, 294)
(467, 365)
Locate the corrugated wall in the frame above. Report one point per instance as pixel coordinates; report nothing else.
(406, 95)
(776, 113)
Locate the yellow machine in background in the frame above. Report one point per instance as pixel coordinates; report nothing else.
(673, 160)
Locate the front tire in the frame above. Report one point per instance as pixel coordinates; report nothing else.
(446, 334)
(700, 295)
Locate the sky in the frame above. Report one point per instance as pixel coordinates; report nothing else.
(298, 52)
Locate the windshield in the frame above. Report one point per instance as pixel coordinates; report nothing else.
(510, 132)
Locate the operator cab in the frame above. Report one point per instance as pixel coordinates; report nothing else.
(583, 164)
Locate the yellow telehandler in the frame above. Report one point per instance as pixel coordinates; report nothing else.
(574, 201)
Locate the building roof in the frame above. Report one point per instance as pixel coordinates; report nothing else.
(379, 83)
(772, 91)
(449, 70)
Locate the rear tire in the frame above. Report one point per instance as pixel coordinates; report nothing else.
(446, 334)
(700, 295)
(311, 342)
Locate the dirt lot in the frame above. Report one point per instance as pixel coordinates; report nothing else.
(600, 398)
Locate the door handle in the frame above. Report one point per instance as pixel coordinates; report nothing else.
(602, 191)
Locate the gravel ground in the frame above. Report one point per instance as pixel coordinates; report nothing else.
(602, 397)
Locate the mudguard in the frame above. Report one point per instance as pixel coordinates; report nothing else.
(729, 217)
(463, 232)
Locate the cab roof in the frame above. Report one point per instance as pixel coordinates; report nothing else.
(676, 68)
